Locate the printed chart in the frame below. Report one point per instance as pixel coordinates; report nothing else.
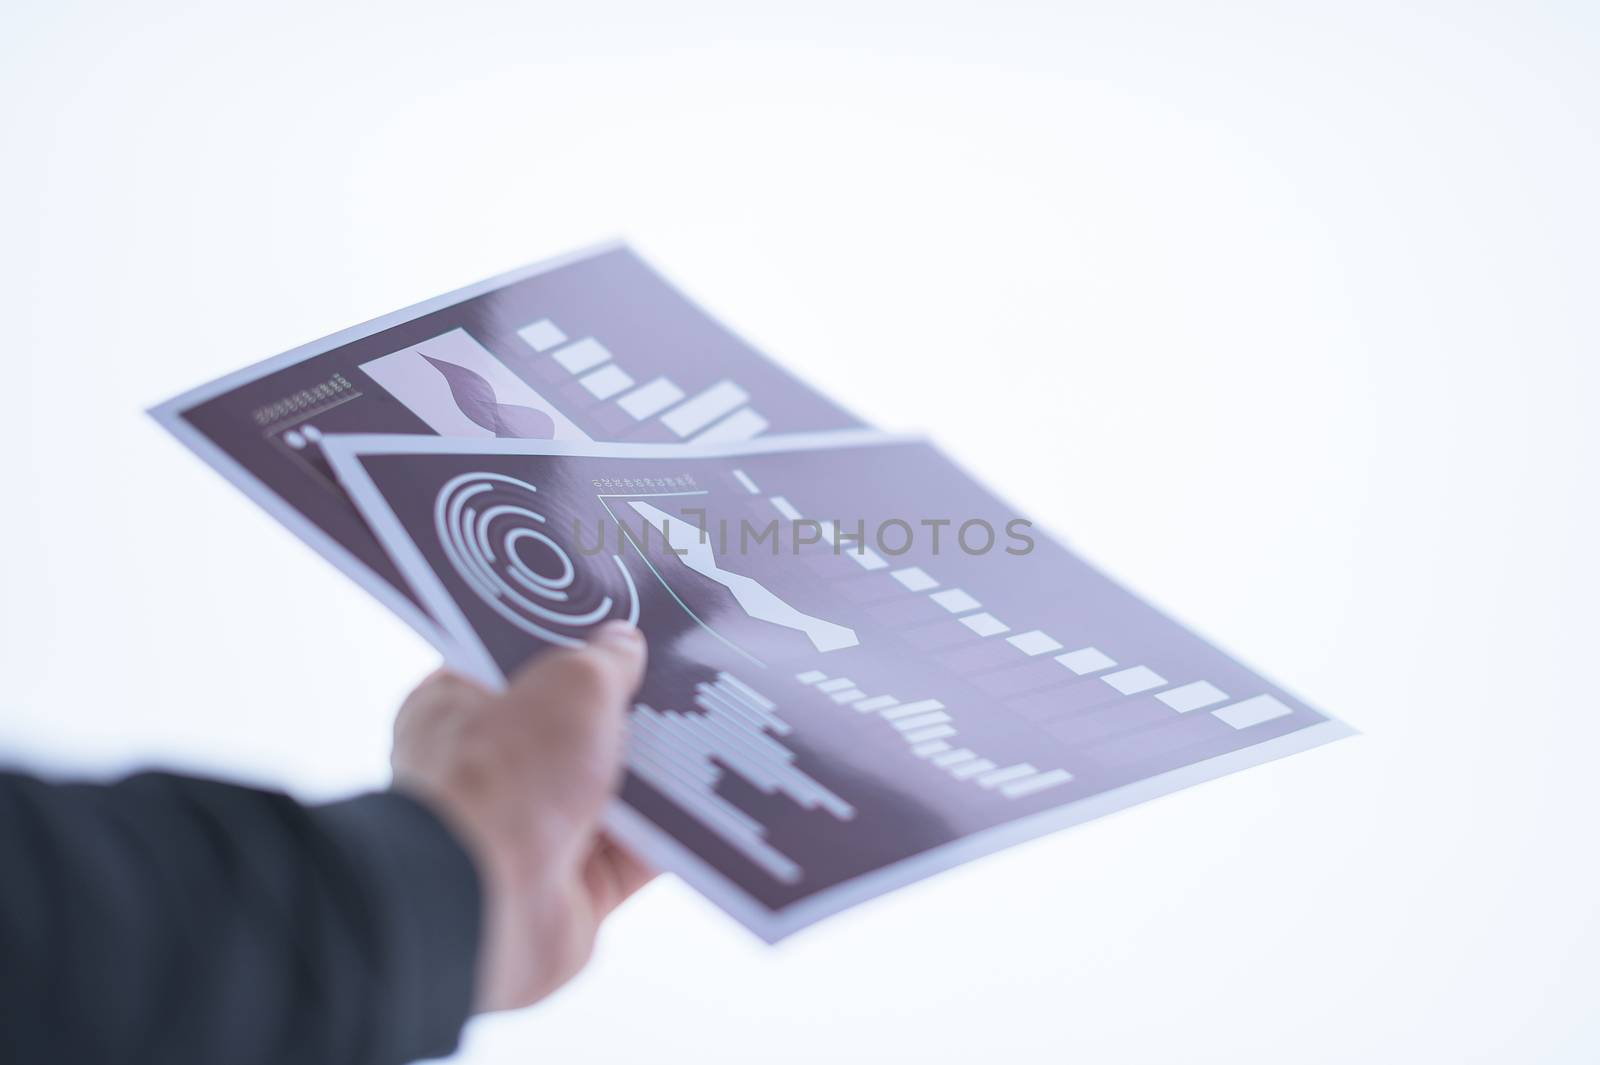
(594, 345)
(829, 711)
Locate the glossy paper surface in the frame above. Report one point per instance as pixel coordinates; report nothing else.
(823, 718)
(594, 345)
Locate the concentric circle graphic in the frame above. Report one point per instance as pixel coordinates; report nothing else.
(501, 542)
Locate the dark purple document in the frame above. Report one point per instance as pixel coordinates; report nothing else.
(864, 667)
(593, 345)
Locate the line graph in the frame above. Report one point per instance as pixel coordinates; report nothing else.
(756, 599)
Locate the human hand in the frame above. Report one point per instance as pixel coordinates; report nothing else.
(523, 776)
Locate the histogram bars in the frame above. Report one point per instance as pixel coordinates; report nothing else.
(928, 729)
(968, 610)
(684, 755)
(717, 415)
(1084, 661)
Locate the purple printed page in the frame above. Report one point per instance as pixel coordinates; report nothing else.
(864, 667)
(593, 345)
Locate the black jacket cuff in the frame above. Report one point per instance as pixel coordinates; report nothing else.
(427, 901)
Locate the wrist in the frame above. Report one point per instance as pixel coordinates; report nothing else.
(509, 859)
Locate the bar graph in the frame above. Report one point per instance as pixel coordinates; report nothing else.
(718, 414)
(930, 730)
(650, 399)
(1083, 661)
(695, 414)
(816, 722)
(685, 754)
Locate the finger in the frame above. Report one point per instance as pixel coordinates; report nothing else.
(608, 668)
(571, 708)
(612, 874)
(440, 692)
(632, 872)
(441, 685)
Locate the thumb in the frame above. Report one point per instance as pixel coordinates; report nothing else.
(572, 706)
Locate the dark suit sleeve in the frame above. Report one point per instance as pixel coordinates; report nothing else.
(168, 919)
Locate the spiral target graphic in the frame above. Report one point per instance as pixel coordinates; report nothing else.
(504, 545)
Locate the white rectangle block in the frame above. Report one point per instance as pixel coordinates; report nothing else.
(745, 481)
(1188, 697)
(784, 507)
(985, 624)
(877, 702)
(1252, 711)
(693, 415)
(606, 381)
(911, 724)
(997, 777)
(837, 684)
(542, 335)
(921, 706)
(1086, 660)
(742, 425)
(849, 695)
(1135, 680)
(971, 769)
(929, 749)
(651, 399)
(914, 578)
(753, 697)
(1034, 643)
(933, 732)
(955, 600)
(952, 757)
(582, 355)
(1038, 782)
(810, 676)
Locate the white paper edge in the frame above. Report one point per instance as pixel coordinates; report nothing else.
(636, 831)
(462, 649)
(169, 414)
(356, 445)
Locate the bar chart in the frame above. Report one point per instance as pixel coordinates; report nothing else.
(931, 734)
(820, 717)
(719, 413)
(734, 728)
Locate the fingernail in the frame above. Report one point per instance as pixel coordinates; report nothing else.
(618, 632)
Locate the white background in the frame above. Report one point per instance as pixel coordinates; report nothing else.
(1283, 314)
